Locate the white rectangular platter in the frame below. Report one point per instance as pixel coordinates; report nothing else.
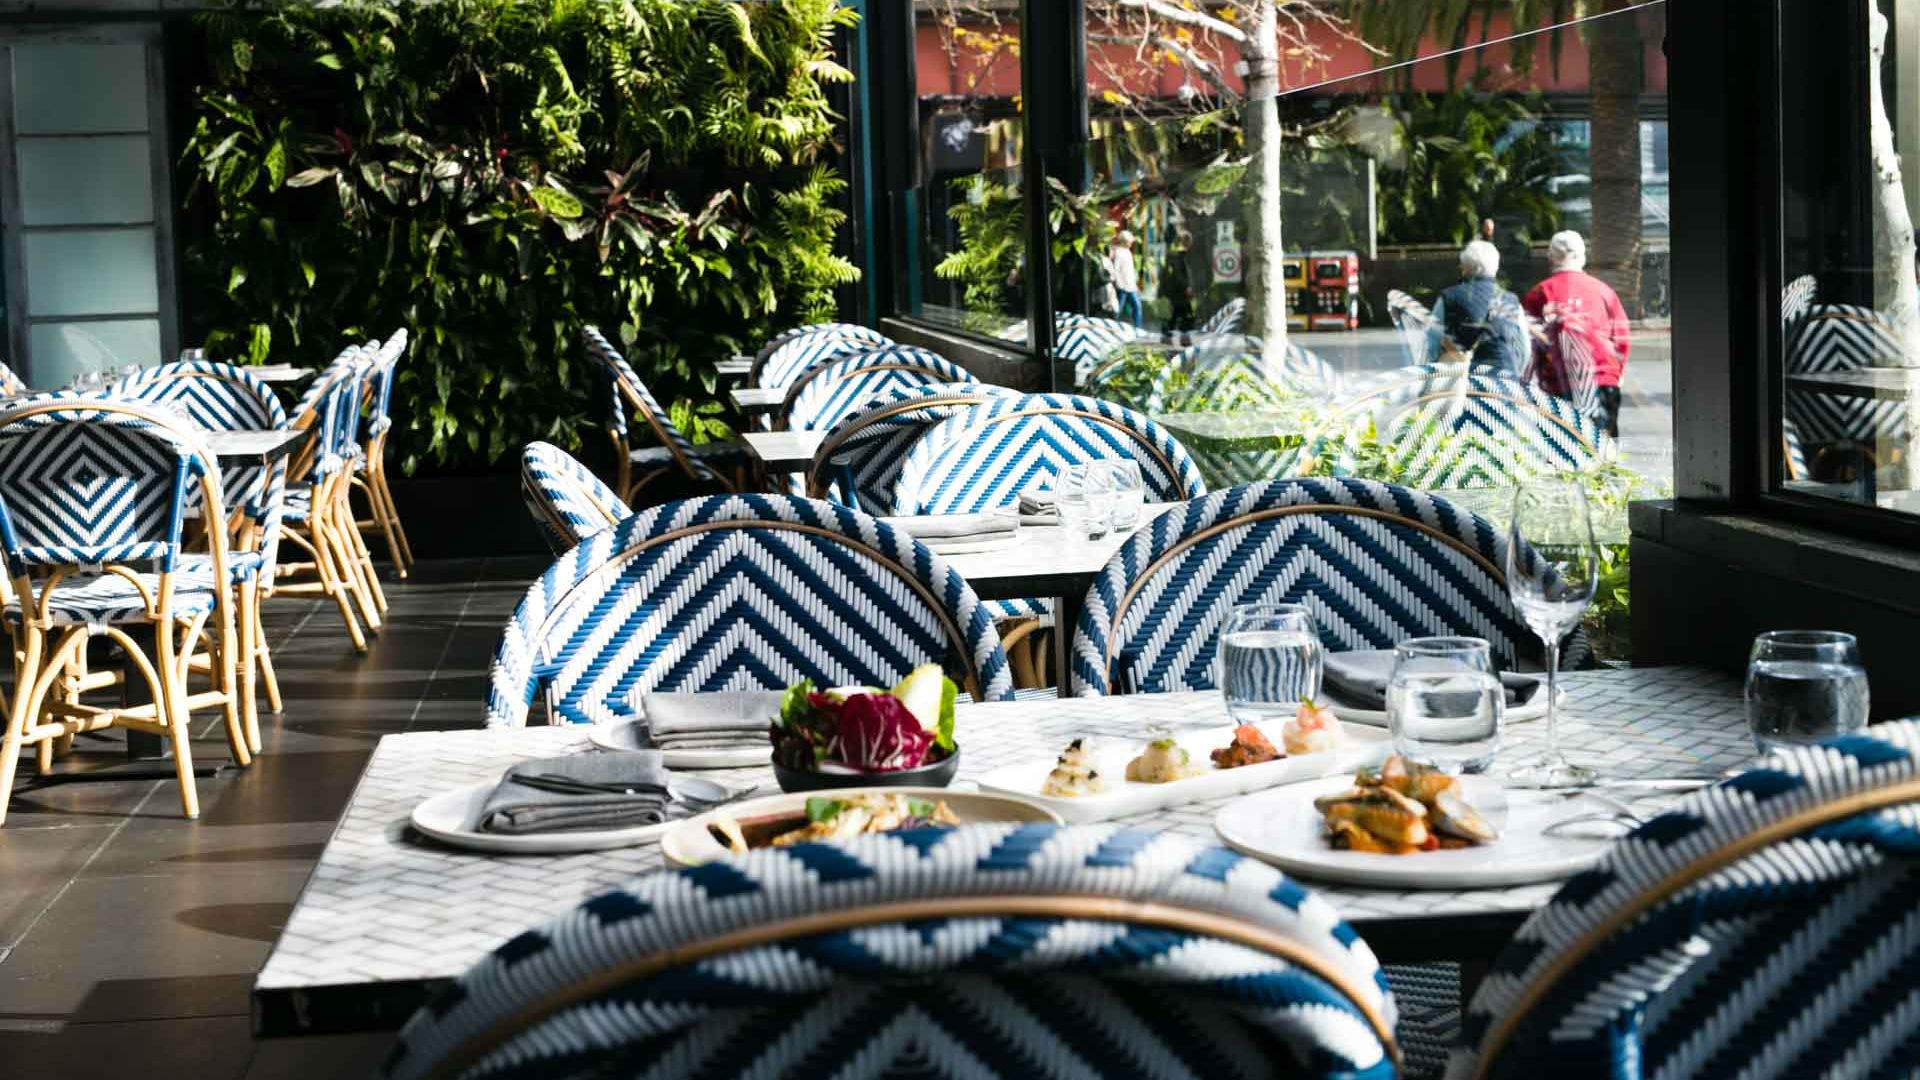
(1361, 747)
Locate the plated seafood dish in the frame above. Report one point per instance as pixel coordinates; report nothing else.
(827, 819)
(1402, 808)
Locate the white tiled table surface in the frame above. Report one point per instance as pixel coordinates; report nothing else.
(386, 914)
(784, 451)
(758, 398)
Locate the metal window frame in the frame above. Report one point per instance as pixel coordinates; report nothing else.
(13, 229)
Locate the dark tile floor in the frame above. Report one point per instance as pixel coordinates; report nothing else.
(129, 936)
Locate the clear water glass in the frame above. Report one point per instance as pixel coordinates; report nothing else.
(1553, 567)
(1804, 686)
(1086, 499)
(1129, 493)
(1268, 661)
(1445, 703)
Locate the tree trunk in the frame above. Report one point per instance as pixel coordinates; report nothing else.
(1896, 296)
(1615, 81)
(1261, 254)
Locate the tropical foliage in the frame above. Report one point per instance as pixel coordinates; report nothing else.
(493, 174)
(1468, 156)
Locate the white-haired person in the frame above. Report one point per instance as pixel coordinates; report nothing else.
(1466, 318)
(1585, 328)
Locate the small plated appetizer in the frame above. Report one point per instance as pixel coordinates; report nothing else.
(1249, 747)
(828, 819)
(1074, 774)
(858, 736)
(1162, 762)
(1312, 730)
(1401, 808)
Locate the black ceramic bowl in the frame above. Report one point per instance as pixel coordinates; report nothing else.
(938, 774)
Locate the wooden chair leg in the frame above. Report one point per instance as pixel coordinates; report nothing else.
(399, 534)
(244, 666)
(331, 584)
(347, 569)
(224, 675)
(170, 706)
(388, 516)
(367, 571)
(27, 672)
(264, 656)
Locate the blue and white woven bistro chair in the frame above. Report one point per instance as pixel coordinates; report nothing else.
(990, 951)
(1230, 319)
(1230, 373)
(1835, 338)
(1467, 430)
(738, 592)
(1085, 340)
(94, 500)
(223, 397)
(567, 501)
(839, 329)
(1375, 564)
(982, 459)
(11, 384)
(858, 462)
(1763, 927)
(823, 394)
(1414, 320)
(792, 357)
(317, 518)
(383, 513)
(676, 453)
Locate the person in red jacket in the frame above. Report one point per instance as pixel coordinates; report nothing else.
(1585, 330)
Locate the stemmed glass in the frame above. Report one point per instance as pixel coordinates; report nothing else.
(1553, 566)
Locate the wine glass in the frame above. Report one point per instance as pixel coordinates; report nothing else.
(1553, 566)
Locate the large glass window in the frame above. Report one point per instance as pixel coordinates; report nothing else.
(1849, 305)
(967, 237)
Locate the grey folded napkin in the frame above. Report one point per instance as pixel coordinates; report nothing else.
(1359, 679)
(1039, 506)
(517, 808)
(929, 527)
(716, 721)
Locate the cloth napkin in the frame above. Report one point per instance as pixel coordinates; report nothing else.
(733, 719)
(1039, 506)
(953, 533)
(1359, 679)
(517, 810)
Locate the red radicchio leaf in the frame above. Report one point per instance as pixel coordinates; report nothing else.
(878, 734)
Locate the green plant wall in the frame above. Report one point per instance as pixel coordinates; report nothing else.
(493, 174)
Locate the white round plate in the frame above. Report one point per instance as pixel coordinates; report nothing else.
(627, 736)
(688, 843)
(1282, 827)
(453, 818)
(1532, 710)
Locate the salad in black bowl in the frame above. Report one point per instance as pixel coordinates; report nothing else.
(867, 737)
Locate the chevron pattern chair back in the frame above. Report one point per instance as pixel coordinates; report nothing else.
(630, 393)
(1765, 926)
(738, 592)
(1376, 563)
(985, 457)
(1574, 344)
(858, 463)
(221, 397)
(1490, 437)
(1230, 319)
(1796, 300)
(795, 356)
(1229, 373)
(567, 501)
(822, 395)
(1137, 374)
(11, 384)
(1086, 340)
(92, 481)
(1413, 319)
(840, 329)
(1110, 952)
(1794, 450)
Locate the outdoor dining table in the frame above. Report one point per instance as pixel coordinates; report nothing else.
(758, 399)
(734, 366)
(782, 452)
(388, 916)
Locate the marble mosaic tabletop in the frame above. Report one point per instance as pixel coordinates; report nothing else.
(388, 914)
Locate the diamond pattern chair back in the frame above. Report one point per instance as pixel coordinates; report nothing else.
(567, 501)
(735, 593)
(793, 357)
(984, 458)
(1110, 952)
(1375, 563)
(1413, 319)
(630, 393)
(1835, 338)
(824, 394)
(858, 463)
(1762, 927)
(90, 481)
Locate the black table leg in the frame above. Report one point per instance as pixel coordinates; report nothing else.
(1066, 616)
